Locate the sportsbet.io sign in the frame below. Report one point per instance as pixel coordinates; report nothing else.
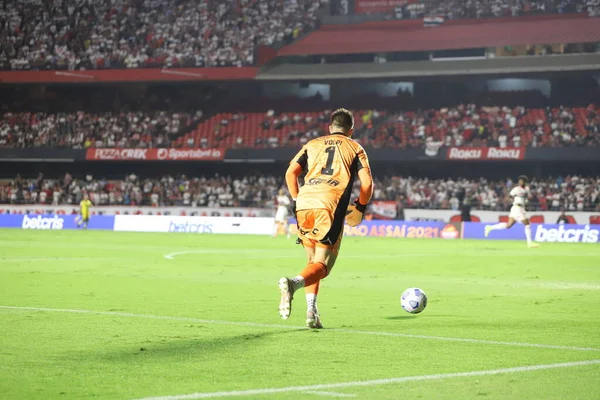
(155, 154)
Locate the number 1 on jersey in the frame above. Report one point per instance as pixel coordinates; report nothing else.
(330, 154)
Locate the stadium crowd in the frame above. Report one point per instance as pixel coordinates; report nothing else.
(85, 34)
(461, 125)
(572, 193)
(471, 125)
(216, 191)
(80, 130)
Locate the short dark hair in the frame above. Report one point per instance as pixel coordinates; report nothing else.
(343, 119)
(524, 177)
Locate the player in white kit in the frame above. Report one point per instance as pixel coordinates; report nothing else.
(281, 216)
(520, 194)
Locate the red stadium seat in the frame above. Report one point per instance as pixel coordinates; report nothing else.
(458, 218)
(536, 219)
(392, 128)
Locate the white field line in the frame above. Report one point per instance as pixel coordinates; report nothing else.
(376, 382)
(561, 285)
(147, 249)
(330, 394)
(261, 253)
(249, 253)
(280, 326)
(269, 253)
(16, 259)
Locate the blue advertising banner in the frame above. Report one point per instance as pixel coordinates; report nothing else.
(402, 229)
(405, 229)
(53, 222)
(542, 233)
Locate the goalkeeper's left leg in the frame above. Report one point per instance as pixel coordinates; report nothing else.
(321, 259)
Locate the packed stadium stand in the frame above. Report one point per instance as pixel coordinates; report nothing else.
(460, 125)
(75, 34)
(82, 130)
(71, 34)
(572, 193)
(466, 124)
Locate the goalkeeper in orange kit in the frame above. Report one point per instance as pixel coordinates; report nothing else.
(332, 163)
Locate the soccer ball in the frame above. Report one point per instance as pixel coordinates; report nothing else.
(413, 300)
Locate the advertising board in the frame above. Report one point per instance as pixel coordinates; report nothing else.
(118, 154)
(541, 233)
(138, 210)
(378, 6)
(401, 229)
(53, 221)
(485, 153)
(201, 225)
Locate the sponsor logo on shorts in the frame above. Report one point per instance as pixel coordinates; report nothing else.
(313, 232)
(43, 223)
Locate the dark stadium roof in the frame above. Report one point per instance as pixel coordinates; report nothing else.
(415, 69)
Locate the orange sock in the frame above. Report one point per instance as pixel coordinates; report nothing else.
(313, 273)
(312, 289)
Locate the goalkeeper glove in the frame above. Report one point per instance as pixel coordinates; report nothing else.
(355, 213)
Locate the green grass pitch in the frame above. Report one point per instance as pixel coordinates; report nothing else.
(204, 321)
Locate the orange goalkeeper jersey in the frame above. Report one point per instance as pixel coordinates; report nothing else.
(331, 164)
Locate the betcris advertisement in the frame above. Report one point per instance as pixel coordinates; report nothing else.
(401, 229)
(49, 222)
(197, 225)
(541, 233)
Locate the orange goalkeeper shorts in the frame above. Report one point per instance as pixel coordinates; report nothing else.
(320, 227)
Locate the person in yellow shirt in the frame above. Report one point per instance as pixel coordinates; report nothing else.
(84, 207)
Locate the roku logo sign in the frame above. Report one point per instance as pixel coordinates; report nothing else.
(487, 153)
(456, 153)
(503, 154)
